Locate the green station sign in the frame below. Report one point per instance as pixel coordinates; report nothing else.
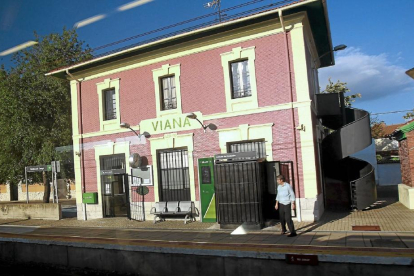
(207, 192)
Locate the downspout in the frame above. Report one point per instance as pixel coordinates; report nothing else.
(295, 149)
(80, 127)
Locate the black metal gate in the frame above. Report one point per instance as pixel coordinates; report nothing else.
(174, 176)
(137, 199)
(239, 192)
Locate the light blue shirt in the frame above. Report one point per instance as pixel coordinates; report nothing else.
(285, 194)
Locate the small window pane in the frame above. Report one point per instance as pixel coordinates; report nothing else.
(240, 77)
(110, 104)
(169, 98)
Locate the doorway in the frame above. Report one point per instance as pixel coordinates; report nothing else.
(114, 195)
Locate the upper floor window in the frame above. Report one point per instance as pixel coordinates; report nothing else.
(167, 90)
(240, 78)
(109, 104)
(168, 93)
(108, 94)
(239, 73)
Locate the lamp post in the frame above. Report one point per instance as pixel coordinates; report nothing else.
(194, 117)
(339, 47)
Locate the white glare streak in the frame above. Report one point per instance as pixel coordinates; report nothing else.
(18, 48)
(133, 5)
(89, 20)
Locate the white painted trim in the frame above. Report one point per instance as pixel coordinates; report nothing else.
(100, 88)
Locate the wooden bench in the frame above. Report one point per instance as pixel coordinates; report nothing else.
(174, 209)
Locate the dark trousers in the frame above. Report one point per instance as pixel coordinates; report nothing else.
(285, 215)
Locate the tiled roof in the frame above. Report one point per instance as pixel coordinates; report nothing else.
(388, 129)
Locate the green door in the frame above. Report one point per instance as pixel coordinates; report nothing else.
(207, 194)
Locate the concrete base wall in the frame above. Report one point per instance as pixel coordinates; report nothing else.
(311, 208)
(165, 261)
(6, 194)
(406, 195)
(93, 211)
(49, 211)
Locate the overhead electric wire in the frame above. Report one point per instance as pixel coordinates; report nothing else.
(389, 112)
(188, 28)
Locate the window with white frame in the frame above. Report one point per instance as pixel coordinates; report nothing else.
(167, 90)
(108, 94)
(109, 104)
(240, 79)
(168, 93)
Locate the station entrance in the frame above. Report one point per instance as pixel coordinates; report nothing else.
(114, 183)
(246, 188)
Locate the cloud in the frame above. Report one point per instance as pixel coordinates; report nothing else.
(89, 20)
(18, 48)
(374, 76)
(133, 4)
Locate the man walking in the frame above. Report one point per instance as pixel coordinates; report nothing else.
(285, 200)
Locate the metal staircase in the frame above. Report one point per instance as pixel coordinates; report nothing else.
(349, 182)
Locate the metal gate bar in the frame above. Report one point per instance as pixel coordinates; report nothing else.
(174, 175)
(136, 203)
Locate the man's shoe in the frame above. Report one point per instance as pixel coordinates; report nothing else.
(283, 232)
(292, 235)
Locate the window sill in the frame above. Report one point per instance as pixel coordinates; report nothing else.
(110, 125)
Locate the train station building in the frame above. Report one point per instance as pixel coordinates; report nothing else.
(210, 116)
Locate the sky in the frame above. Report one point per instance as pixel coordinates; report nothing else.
(379, 35)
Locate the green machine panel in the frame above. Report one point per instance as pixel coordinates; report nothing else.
(207, 193)
(90, 198)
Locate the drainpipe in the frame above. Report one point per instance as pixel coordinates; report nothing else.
(81, 137)
(295, 149)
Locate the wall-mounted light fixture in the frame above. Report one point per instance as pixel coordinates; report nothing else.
(194, 117)
(126, 125)
(78, 153)
(301, 127)
(339, 47)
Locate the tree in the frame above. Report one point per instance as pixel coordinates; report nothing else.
(377, 128)
(341, 87)
(35, 110)
(409, 115)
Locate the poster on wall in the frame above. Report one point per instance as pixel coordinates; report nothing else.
(142, 176)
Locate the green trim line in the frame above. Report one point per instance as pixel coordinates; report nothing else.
(400, 133)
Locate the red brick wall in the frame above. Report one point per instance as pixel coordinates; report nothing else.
(207, 145)
(202, 83)
(407, 159)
